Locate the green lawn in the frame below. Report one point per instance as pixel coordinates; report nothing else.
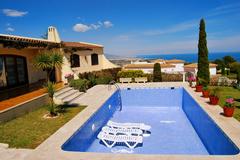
(235, 93)
(232, 76)
(32, 129)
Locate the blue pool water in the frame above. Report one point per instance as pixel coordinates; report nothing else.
(179, 125)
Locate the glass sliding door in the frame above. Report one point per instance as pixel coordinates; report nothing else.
(21, 70)
(14, 70)
(11, 71)
(3, 81)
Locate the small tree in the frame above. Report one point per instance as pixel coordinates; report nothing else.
(203, 63)
(157, 74)
(51, 90)
(223, 71)
(238, 76)
(48, 61)
(228, 60)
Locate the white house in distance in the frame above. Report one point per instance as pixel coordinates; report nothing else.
(193, 68)
(167, 66)
(173, 66)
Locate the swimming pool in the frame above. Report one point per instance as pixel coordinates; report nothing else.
(179, 125)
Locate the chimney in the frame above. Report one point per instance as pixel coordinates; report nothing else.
(53, 34)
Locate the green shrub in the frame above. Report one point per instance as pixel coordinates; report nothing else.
(223, 71)
(92, 76)
(172, 77)
(80, 84)
(157, 73)
(149, 76)
(113, 72)
(130, 74)
(104, 80)
(234, 67)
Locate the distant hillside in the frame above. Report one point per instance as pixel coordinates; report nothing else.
(116, 57)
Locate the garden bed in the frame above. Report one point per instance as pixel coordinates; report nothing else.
(224, 92)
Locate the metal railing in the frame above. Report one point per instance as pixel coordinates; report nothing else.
(119, 93)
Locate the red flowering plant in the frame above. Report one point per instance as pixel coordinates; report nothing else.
(229, 102)
(191, 79)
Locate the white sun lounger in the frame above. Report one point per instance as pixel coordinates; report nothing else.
(122, 131)
(110, 140)
(141, 126)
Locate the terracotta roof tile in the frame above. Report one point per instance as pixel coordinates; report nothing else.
(194, 65)
(81, 45)
(24, 39)
(175, 61)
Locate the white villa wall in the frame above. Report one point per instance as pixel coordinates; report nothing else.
(179, 67)
(212, 70)
(168, 70)
(85, 63)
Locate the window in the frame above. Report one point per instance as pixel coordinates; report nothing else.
(75, 60)
(94, 58)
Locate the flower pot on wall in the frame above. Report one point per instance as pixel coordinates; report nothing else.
(228, 111)
(205, 93)
(199, 88)
(213, 100)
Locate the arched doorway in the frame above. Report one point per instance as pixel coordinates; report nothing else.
(13, 71)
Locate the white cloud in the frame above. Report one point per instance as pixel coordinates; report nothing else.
(95, 26)
(81, 27)
(10, 29)
(225, 9)
(14, 13)
(173, 29)
(84, 27)
(107, 24)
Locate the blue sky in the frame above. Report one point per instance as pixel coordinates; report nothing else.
(128, 27)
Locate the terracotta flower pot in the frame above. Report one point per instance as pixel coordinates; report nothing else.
(199, 88)
(205, 93)
(213, 100)
(228, 111)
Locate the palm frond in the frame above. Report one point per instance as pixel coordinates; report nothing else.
(56, 59)
(42, 61)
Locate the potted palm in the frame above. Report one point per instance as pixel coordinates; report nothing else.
(214, 96)
(205, 92)
(228, 108)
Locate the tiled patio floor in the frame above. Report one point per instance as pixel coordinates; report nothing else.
(22, 98)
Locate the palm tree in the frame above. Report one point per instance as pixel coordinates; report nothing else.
(51, 90)
(48, 61)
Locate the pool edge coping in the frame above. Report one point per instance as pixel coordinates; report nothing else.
(51, 148)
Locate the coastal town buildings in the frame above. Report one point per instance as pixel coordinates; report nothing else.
(173, 66)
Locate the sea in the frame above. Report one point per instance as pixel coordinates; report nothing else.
(191, 57)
